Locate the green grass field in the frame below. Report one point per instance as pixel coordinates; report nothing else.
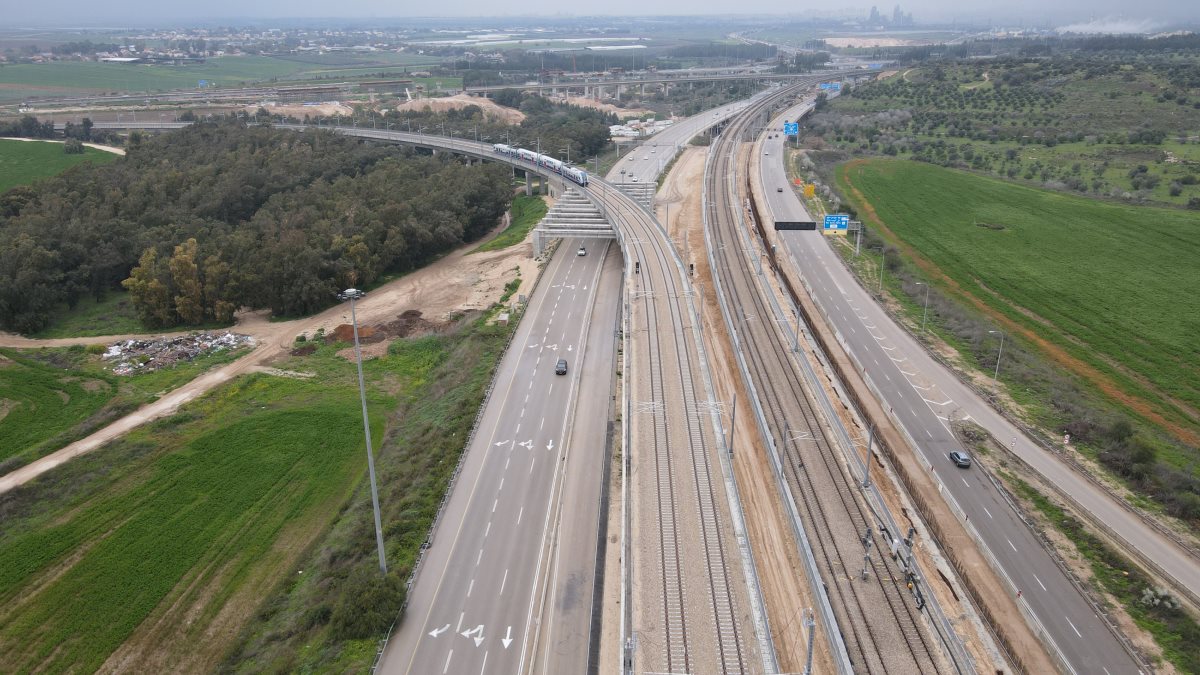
(21, 80)
(23, 162)
(198, 499)
(51, 397)
(1112, 286)
(527, 212)
(164, 546)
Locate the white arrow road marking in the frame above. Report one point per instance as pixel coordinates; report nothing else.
(438, 631)
(528, 445)
(477, 632)
(553, 347)
(570, 348)
(550, 445)
(507, 639)
(498, 443)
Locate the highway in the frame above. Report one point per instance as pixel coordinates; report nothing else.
(481, 583)
(553, 567)
(881, 621)
(922, 400)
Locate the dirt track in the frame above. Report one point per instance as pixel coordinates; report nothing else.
(458, 281)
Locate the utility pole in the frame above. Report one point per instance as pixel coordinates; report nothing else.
(353, 294)
(925, 312)
(866, 483)
(866, 552)
(732, 422)
(996, 375)
(810, 620)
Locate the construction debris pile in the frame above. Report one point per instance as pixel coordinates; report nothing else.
(410, 322)
(143, 356)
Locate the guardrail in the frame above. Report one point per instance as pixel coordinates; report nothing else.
(917, 497)
(462, 456)
(953, 646)
(961, 515)
(1046, 444)
(833, 634)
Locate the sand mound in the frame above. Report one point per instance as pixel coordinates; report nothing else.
(490, 110)
(623, 113)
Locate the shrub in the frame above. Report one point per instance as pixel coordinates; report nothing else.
(367, 605)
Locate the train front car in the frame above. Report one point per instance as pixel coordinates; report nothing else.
(577, 175)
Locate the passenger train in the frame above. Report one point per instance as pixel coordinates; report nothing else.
(561, 168)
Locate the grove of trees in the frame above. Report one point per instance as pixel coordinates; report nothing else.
(199, 222)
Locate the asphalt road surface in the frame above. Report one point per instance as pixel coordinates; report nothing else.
(483, 581)
(922, 397)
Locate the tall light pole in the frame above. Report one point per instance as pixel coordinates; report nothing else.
(925, 313)
(353, 294)
(882, 260)
(996, 375)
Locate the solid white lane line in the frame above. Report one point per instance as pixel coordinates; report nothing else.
(484, 666)
(447, 666)
(459, 626)
(1073, 626)
(541, 424)
(504, 581)
(519, 514)
(531, 464)
(1014, 548)
(1035, 578)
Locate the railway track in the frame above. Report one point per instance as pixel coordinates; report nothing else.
(878, 617)
(699, 613)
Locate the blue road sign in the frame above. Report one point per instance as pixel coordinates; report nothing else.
(823, 85)
(791, 128)
(837, 222)
(835, 86)
(202, 84)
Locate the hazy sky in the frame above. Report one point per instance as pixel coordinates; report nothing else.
(143, 12)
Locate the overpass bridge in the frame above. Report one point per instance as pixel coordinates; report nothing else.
(594, 86)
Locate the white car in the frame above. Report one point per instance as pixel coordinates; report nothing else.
(581, 251)
(633, 178)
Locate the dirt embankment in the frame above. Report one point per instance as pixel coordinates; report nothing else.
(781, 572)
(623, 113)
(491, 110)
